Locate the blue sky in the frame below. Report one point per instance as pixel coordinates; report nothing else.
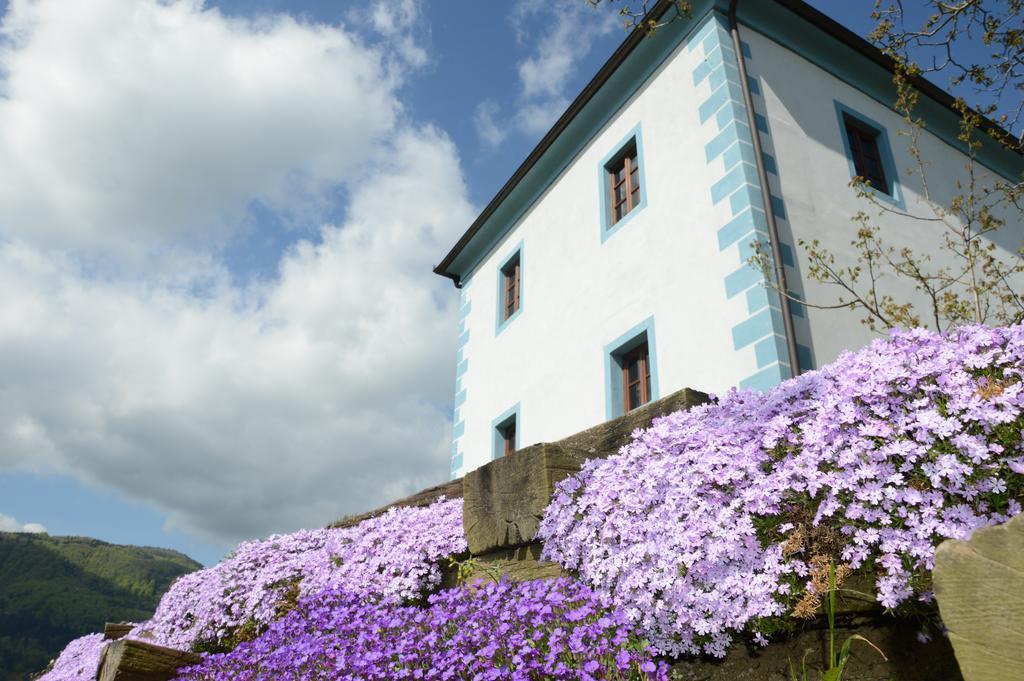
(217, 225)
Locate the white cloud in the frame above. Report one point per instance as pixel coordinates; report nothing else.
(570, 30)
(9, 524)
(558, 35)
(400, 23)
(240, 410)
(126, 124)
(249, 410)
(490, 131)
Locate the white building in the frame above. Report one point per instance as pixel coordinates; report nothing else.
(577, 305)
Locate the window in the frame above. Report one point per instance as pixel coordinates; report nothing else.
(631, 370)
(510, 299)
(624, 183)
(636, 378)
(869, 155)
(506, 433)
(867, 160)
(623, 188)
(510, 289)
(508, 437)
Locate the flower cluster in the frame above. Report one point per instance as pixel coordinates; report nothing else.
(554, 629)
(714, 518)
(79, 660)
(393, 557)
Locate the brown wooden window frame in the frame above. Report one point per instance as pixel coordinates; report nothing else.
(506, 436)
(642, 356)
(511, 279)
(628, 162)
(865, 144)
(620, 354)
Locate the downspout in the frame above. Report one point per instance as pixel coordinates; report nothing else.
(766, 195)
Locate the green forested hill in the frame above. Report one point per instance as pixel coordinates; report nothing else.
(54, 589)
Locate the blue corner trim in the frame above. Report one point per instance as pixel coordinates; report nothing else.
(607, 228)
(461, 367)
(499, 323)
(766, 378)
(613, 351)
(742, 174)
(740, 280)
(749, 220)
(759, 331)
(762, 324)
(895, 194)
(506, 418)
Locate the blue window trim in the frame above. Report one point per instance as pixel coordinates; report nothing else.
(499, 323)
(613, 353)
(607, 228)
(884, 150)
(505, 418)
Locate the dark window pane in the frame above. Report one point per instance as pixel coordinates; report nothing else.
(634, 396)
(867, 159)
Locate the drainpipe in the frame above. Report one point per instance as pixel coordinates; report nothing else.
(766, 196)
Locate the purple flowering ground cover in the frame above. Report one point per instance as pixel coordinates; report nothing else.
(392, 558)
(546, 629)
(716, 520)
(712, 522)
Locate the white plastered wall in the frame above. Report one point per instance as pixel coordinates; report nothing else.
(814, 176)
(579, 294)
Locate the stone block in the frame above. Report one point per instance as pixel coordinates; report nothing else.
(128, 660)
(979, 586)
(505, 499)
(908, 658)
(449, 490)
(522, 564)
(605, 439)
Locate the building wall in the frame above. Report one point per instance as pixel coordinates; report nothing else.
(799, 100)
(679, 263)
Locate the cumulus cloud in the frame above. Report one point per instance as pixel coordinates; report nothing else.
(490, 131)
(570, 29)
(244, 411)
(238, 409)
(126, 124)
(558, 34)
(9, 524)
(400, 24)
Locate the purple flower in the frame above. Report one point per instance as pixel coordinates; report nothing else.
(692, 530)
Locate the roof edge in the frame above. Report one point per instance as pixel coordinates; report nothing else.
(798, 7)
(610, 66)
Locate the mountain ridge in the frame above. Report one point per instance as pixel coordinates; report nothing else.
(56, 588)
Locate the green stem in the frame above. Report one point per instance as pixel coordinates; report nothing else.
(832, 662)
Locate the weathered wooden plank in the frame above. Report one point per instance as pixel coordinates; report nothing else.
(129, 660)
(979, 586)
(115, 630)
